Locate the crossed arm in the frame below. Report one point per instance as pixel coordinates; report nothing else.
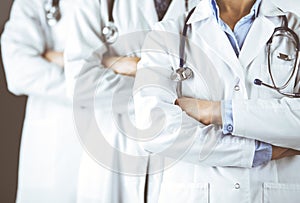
(209, 112)
(206, 112)
(55, 57)
(120, 65)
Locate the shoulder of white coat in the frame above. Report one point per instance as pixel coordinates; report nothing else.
(294, 22)
(165, 36)
(288, 6)
(87, 10)
(29, 8)
(291, 9)
(88, 3)
(171, 25)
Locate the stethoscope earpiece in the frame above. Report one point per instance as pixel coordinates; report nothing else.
(259, 82)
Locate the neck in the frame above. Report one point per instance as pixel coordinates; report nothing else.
(231, 11)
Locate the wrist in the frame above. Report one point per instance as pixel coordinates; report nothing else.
(216, 116)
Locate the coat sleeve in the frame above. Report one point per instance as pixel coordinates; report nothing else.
(84, 52)
(23, 44)
(92, 86)
(273, 121)
(164, 127)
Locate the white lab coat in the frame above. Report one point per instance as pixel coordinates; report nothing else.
(50, 150)
(84, 53)
(216, 168)
(288, 5)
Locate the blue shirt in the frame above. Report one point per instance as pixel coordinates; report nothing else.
(241, 29)
(236, 37)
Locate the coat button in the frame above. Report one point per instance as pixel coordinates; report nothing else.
(230, 128)
(237, 88)
(237, 186)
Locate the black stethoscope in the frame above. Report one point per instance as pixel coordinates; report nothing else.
(283, 31)
(184, 73)
(53, 13)
(110, 31)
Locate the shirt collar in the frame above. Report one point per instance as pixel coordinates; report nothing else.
(205, 10)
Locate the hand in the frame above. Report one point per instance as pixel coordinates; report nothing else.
(281, 152)
(207, 112)
(55, 57)
(122, 65)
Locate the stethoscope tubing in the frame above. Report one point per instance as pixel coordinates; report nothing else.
(181, 53)
(284, 28)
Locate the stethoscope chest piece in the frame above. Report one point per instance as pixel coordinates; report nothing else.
(182, 74)
(110, 33)
(53, 14)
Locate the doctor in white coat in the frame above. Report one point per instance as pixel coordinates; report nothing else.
(109, 69)
(217, 163)
(33, 61)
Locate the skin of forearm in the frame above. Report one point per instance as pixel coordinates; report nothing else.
(54, 57)
(121, 65)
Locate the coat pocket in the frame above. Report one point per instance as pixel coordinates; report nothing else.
(280, 192)
(176, 192)
(281, 75)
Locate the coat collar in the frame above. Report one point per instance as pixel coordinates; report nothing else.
(269, 9)
(204, 10)
(262, 25)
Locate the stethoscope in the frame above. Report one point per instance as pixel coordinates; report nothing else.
(183, 73)
(53, 13)
(110, 31)
(283, 31)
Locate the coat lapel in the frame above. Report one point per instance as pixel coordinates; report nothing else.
(260, 32)
(176, 6)
(212, 36)
(217, 41)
